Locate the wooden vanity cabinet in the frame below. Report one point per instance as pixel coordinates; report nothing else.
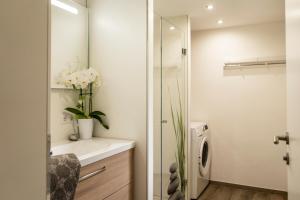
(109, 179)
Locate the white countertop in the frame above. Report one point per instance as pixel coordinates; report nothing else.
(93, 150)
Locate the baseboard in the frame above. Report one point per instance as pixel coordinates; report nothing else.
(250, 187)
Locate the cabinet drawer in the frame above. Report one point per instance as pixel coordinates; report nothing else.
(105, 177)
(124, 193)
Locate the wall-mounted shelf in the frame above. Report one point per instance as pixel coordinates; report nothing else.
(254, 64)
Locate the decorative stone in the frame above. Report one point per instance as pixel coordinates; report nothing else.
(73, 137)
(173, 176)
(173, 168)
(173, 186)
(177, 196)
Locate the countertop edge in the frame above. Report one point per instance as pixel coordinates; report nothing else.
(89, 159)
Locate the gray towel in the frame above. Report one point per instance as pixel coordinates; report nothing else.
(64, 173)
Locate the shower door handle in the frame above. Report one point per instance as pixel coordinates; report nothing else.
(164, 121)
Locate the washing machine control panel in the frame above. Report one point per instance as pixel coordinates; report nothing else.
(199, 130)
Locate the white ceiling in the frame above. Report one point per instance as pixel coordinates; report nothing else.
(233, 12)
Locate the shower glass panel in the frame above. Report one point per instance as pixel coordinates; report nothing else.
(157, 109)
(170, 139)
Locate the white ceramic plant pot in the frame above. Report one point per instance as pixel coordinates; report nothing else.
(86, 127)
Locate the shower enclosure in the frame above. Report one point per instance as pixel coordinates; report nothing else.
(170, 107)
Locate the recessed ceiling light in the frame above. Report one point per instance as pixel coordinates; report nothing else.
(209, 6)
(172, 28)
(220, 21)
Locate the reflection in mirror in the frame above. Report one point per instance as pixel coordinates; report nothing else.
(69, 38)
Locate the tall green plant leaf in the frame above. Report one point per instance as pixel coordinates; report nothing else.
(180, 134)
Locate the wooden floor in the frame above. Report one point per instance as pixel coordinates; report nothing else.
(224, 192)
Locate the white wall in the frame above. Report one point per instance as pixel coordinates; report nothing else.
(23, 102)
(244, 109)
(118, 44)
(61, 124)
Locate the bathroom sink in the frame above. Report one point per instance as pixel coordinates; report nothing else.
(92, 150)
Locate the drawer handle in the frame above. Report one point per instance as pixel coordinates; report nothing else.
(83, 178)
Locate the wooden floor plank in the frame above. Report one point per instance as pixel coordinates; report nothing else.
(240, 194)
(209, 192)
(224, 192)
(217, 192)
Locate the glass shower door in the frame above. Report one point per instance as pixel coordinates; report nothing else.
(170, 137)
(157, 186)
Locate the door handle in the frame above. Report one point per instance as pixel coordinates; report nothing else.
(49, 144)
(90, 175)
(285, 138)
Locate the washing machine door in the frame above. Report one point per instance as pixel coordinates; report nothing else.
(204, 157)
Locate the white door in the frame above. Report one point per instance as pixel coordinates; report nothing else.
(23, 102)
(293, 95)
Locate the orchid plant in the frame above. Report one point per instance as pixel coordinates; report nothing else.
(83, 81)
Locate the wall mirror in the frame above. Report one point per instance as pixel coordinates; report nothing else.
(69, 38)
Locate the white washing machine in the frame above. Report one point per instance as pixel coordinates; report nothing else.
(200, 158)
